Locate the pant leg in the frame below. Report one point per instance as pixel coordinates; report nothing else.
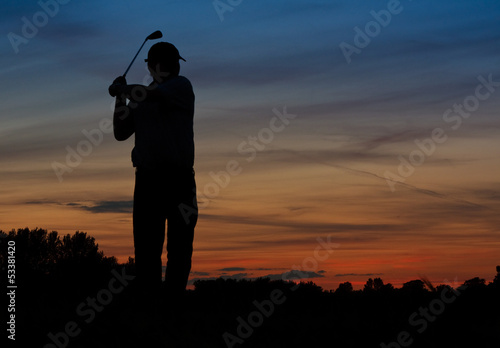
(149, 230)
(182, 218)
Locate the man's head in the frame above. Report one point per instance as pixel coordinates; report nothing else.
(163, 58)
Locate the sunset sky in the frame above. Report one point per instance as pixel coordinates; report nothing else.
(389, 153)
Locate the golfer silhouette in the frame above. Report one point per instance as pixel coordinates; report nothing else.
(161, 116)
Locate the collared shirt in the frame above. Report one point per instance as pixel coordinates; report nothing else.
(163, 126)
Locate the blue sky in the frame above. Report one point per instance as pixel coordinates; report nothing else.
(326, 168)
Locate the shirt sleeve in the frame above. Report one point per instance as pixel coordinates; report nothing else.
(123, 122)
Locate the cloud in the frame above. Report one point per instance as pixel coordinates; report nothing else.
(106, 207)
(232, 269)
(295, 275)
(358, 274)
(236, 276)
(428, 192)
(239, 269)
(199, 274)
(67, 33)
(298, 225)
(96, 207)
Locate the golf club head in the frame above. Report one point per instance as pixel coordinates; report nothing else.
(156, 35)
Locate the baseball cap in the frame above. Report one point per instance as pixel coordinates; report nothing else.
(163, 51)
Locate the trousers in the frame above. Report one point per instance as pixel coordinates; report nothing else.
(164, 196)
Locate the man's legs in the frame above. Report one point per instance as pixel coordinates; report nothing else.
(180, 234)
(149, 231)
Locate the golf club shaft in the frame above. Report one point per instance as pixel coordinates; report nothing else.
(132, 62)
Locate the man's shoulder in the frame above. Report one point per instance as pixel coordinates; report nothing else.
(179, 79)
(177, 82)
(183, 78)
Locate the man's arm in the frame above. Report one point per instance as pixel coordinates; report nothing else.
(123, 122)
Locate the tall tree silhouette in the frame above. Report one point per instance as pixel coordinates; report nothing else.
(368, 285)
(378, 284)
(344, 288)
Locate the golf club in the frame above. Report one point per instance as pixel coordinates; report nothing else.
(156, 35)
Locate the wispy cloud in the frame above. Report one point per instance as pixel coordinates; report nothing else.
(107, 207)
(232, 269)
(359, 274)
(301, 226)
(96, 207)
(295, 275)
(199, 274)
(414, 188)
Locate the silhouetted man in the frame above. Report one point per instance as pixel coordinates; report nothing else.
(161, 116)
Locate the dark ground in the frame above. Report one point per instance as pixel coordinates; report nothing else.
(305, 317)
(64, 290)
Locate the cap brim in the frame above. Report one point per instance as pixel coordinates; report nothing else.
(146, 60)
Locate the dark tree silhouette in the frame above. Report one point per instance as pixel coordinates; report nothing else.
(344, 288)
(496, 280)
(475, 283)
(378, 284)
(369, 286)
(443, 287)
(388, 287)
(414, 286)
(40, 254)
